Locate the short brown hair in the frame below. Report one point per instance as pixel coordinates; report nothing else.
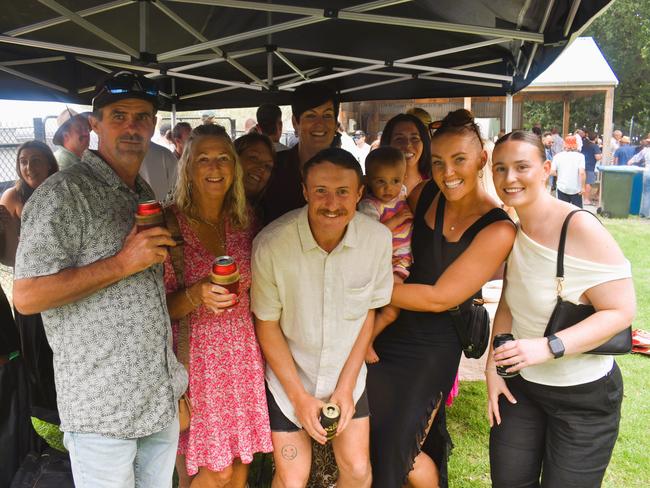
(383, 156)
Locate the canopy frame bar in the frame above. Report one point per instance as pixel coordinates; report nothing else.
(219, 59)
(92, 64)
(331, 76)
(64, 48)
(379, 83)
(219, 90)
(33, 79)
(571, 17)
(453, 50)
(542, 26)
(361, 16)
(217, 81)
(61, 20)
(21, 62)
(200, 37)
(288, 62)
(263, 31)
(90, 27)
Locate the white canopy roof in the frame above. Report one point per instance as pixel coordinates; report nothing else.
(580, 64)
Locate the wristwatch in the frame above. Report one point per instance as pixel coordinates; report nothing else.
(556, 346)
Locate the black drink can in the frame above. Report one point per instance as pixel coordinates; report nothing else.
(500, 340)
(329, 419)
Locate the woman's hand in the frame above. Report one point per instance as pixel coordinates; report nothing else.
(496, 386)
(522, 353)
(215, 298)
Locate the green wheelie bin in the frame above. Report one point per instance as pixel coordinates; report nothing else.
(616, 190)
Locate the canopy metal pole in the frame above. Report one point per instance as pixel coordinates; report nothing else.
(173, 102)
(509, 108)
(144, 26)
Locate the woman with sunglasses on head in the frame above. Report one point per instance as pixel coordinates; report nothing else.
(229, 419)
(421, 351)
(408, 134)
(557, 414)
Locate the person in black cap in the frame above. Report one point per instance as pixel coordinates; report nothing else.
(73, 135)
(99, 285)
(315, 108)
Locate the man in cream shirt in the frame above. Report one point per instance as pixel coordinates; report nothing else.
(318, 274)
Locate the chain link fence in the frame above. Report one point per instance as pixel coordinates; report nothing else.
(11, 139)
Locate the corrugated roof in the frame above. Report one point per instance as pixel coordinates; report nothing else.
(580, 64)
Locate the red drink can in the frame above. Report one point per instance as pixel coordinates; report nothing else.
(225, 273)
(149, 215)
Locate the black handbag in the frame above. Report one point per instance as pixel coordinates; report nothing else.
(471, 319)
(566, 314)
(472, 323)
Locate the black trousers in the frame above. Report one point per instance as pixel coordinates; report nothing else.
(566, 434)
(574, 199)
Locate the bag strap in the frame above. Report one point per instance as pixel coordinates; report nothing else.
(178, 263)
(454, 312)
(559, 273)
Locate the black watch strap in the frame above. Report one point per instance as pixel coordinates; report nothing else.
(556, 346)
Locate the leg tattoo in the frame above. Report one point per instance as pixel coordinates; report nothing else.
(289, 452)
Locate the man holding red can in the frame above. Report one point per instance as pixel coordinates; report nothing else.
(318, 274)
(99, 286)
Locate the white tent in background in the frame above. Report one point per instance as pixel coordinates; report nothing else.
(581, 70)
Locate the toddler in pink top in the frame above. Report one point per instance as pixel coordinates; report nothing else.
(386, 201)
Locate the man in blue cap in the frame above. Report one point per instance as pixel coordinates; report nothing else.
(99, 287)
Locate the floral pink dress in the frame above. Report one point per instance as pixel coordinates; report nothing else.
(226, 378)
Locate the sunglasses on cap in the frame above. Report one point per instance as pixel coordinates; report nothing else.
(125, 84)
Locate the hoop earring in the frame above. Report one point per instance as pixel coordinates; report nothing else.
(480, 173)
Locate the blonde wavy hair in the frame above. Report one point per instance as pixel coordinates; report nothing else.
(234, 204)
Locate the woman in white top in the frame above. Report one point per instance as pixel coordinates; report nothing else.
(558, 419)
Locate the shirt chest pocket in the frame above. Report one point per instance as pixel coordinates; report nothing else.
(356, 301)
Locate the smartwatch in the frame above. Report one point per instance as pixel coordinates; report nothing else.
(556, 346)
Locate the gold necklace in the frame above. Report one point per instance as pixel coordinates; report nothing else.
(218, 227)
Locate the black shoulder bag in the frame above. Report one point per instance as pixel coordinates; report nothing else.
(471, 319)
(565, 314)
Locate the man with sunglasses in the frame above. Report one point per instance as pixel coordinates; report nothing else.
(99, 287)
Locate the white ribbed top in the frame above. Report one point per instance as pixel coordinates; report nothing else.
(531, 297)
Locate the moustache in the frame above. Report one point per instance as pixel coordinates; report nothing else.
(339, 213)
(132, 138)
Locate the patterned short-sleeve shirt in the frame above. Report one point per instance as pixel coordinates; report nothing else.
(115, 370)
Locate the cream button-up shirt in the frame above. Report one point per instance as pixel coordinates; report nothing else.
(320, 299)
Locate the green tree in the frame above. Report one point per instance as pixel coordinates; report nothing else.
(623, 35)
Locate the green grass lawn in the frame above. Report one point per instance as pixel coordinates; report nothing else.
(629, 468)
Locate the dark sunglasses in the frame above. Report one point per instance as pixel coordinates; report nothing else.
(457, 120)
(126, 82)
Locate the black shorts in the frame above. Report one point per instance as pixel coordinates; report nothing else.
(280, 423)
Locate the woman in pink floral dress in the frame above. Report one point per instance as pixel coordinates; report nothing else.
(229, 412)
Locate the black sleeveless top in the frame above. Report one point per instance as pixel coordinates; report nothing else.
(426, 270)
(419, 356)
